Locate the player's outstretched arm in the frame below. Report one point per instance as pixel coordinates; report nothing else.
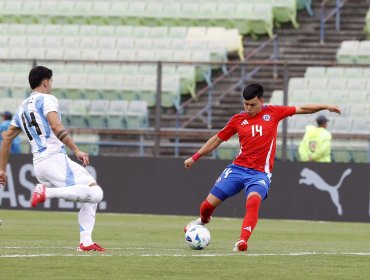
(62, 134)
(208, 147)
(8, 137)
(313, 108)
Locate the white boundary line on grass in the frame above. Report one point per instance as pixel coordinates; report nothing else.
(294, 254)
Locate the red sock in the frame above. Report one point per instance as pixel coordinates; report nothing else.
(251, 216)
(206, 210)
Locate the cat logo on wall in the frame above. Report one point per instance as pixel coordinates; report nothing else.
(310, 177)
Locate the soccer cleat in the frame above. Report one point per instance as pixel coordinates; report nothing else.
(92, 247)
(38, 195)
(240, 245)
(195, 222)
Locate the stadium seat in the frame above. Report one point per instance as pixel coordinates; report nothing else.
(116, 114)
(261, 20)
(347, 52)
(298, 96)
(356, 84)
(361, 124)
(228, 149)
(285, 11)
(316, 83)
(148, 90)
(296, 84)
(137, 114)
(78, 113)
(337, 84)
(360, 151)
(97, 113)
(341, 125)
(315, 72)
(276, 98)
(88, 143)
(240, 18)
(334, 72)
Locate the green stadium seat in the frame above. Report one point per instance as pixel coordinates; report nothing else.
(316, 83)
(78, 113)
(151, 16)
(170, 92)
(137, 114)
(130, 87)
(315, 72)
(116, 114)
(171, 13)
(148, 89)
(367, 24)
(363, 53)
(10, 12)
(336, 83)
(241, 18)
(177, 32)
(276, 97)
(206, 14)
(296, 84)
(298, 96)
(261, 20)
(347, 52)
(353, 73)
(341, 125)
(336, 96)
(228, 150)
(134, 13)
(188, 13)
(117, 12)
(356, 84)
(88, 143)
(98, 13)
(334, 72)
(285, 11)
(159, 31)
(360, 151)
(122, 31)
(97, 113)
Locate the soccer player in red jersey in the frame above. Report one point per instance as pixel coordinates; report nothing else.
(251, 169)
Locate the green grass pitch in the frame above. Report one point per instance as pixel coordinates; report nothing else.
(42, 245)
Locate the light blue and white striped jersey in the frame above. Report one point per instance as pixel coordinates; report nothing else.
(31, 118)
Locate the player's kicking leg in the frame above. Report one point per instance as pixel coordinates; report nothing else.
(206, 209)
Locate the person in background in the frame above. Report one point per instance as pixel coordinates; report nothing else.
(16, 143)
(316, 143)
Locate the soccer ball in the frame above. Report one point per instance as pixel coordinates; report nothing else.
(197, 237)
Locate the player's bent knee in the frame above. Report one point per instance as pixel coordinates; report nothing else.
(97, 194)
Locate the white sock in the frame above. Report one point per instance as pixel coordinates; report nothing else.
(86, 220)
(79, 193)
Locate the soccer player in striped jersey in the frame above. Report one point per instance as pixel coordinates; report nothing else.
(251, 169)
(59, 176)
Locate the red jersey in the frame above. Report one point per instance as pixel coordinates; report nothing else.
(257, 136)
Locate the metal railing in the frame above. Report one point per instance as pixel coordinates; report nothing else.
(325, 17)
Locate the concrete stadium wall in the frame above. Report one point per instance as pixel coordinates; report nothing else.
(309, 191)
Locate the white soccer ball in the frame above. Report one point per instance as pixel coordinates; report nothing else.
(197, 237)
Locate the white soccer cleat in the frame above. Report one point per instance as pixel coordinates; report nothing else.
(240, 245)
(194, 223)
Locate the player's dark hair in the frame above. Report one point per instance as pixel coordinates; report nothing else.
(253, 90)
(38, 74)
